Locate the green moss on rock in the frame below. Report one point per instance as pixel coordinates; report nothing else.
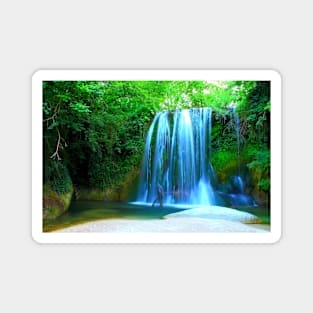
(118, 192)
(55, 204)
(89, 194)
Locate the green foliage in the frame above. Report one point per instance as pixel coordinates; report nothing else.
(97, 129)
(80, 107)
(224, 163)
(261, 167)
(57, 177)
(252, 100)
(255, 112)
(94, 131)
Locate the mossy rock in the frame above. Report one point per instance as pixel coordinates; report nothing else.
(128, 184)
(262, 198)
(228, 170)
(55, 204)
(118, 192)
(89, 194)
(96, 194)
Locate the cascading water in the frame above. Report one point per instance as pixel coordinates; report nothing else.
(177, 157)
(237, 126)
(236, 195)
(234, 114)
(177, 160)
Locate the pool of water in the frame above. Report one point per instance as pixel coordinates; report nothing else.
(85, 211)
(262, 212)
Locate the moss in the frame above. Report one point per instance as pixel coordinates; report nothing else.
(55, 204)
(128, 184)
(118, 192)
(89, 194)
(225, 164)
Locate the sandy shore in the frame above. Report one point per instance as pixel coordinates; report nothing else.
(214, 219)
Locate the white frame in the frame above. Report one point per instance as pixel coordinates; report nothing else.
(37, 163)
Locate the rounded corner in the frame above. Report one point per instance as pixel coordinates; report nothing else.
(36, 238)
(276, 74)
(276, 238)
(37, 74)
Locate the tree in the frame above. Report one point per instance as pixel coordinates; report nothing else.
(94, 131)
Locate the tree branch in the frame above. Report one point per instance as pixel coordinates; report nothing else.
(56, 153)
(56, 111)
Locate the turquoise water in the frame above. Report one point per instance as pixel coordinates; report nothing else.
(84, 211)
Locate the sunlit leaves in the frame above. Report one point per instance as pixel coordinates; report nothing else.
(105, 123)
(80, 107)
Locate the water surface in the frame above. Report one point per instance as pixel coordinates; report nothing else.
(85, 211)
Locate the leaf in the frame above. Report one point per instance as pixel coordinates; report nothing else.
(53, 125)
(80, 107)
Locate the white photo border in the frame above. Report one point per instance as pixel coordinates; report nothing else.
(272, 236)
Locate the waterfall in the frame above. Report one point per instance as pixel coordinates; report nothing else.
(237, 194)
(237, 127)
(237, 131)
(177, 157)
